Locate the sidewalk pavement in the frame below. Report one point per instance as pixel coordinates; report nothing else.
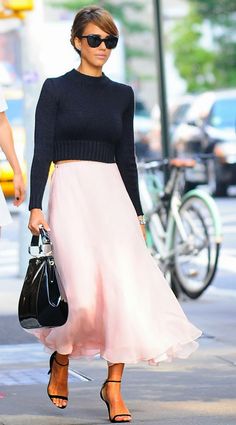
(198, 391)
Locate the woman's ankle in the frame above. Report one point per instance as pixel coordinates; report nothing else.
(62, 359)
(115, 372)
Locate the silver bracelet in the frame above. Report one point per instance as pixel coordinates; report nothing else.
(141, 219)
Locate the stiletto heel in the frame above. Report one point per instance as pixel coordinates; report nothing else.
(108, 406)
(51, 396)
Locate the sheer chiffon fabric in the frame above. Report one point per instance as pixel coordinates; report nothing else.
(120, 305)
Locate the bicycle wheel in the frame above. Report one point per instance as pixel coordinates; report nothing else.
(196, 256)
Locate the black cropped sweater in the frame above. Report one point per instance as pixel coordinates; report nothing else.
(79, 116)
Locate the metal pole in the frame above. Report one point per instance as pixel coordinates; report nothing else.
(161, 82)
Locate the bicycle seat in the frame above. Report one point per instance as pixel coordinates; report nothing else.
(182, 163)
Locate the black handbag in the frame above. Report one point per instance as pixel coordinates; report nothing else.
(42, 301)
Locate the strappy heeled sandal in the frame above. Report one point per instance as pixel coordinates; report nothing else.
(51, 396)
(108, 406)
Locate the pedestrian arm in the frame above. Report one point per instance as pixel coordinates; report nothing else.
(125, 154)
(45, 117)
(7, 144)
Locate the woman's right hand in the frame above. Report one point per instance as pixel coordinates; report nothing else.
(37, 218)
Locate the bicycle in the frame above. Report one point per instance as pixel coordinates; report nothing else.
(183, 230)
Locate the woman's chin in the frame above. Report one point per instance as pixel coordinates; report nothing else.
(100, 60)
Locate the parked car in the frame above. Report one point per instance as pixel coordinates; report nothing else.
(209, 127)
(178, 110)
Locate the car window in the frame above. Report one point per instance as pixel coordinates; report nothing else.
(223, 114)
(201, 106)
(179, 114)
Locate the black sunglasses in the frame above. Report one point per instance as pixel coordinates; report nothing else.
(94, 40)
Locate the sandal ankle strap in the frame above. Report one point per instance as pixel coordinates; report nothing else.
(110, 380)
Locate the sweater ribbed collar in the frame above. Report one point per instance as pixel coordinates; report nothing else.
(85, 78)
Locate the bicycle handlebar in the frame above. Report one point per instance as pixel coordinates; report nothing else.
(153, 163)
(159, 163)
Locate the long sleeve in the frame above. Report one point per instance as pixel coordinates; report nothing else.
(45, 116)
(125, 155)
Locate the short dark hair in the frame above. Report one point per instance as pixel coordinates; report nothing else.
(96, 14)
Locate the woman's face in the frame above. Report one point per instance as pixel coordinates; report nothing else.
(93, 56)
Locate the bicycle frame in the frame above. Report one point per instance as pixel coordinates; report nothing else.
(183, 231)
(164, 238)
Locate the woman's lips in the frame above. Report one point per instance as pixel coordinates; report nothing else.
(101, 56)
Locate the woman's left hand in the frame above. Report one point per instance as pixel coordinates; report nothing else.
(19, 188)
(143, 231)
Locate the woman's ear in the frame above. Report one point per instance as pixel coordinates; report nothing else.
(77, 43)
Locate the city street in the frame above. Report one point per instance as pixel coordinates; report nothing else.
(196, 391)
(118, 81)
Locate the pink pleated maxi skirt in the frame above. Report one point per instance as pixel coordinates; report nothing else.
(120, 305)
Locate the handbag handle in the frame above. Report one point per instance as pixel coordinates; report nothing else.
(42, 242)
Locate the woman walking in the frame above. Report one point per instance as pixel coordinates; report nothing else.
(7, 146)
(120, 305)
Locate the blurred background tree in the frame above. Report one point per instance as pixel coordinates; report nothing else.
(204, 45)
(124, 12)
